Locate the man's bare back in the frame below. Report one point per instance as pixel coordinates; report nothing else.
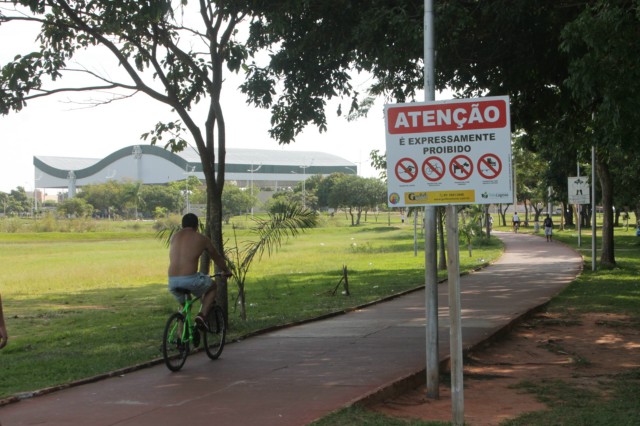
(186, 247)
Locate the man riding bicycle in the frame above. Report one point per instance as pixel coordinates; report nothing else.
(516, 222)
(186, 247)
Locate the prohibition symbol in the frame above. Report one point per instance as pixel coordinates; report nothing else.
(433, 169)
(406, 170)
(461, 167)
(489, 166)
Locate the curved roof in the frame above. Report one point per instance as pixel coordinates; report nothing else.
(154, 165)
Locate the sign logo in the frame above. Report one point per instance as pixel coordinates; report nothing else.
(394, 198)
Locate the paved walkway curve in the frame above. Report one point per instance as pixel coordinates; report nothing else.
(296, 375)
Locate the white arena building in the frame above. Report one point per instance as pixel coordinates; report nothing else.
(153, 165)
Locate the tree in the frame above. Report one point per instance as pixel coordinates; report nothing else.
(103, 197)
(235, 201)
(353, 193)
(470, 226)
(605, 80)
(17, 202)
(531, 182)
(75, 207)
(165, 51)
(158, 198)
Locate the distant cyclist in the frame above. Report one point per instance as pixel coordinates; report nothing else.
(187, 245)
(516, 222)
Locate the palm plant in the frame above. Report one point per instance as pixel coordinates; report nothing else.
(284, 220)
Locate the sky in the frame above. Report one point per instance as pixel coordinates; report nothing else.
(64, 126)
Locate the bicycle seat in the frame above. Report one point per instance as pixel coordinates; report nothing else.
(183, 291)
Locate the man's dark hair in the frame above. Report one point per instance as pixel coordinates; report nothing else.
(190, 220)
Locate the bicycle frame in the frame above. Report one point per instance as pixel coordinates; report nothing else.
(187, 333)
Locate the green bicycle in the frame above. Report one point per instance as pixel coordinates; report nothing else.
(181, 333)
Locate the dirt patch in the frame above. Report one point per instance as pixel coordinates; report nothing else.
(576, 349)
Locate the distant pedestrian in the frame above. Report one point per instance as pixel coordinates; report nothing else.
(402, 217)
(548, 227)
(3, 329)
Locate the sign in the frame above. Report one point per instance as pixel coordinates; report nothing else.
(463, 147)
(579, 190)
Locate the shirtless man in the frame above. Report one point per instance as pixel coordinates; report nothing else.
(184, 253)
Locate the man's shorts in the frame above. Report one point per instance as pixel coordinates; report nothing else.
(548, 230)
(197, 284)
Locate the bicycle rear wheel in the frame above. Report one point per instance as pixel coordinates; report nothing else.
(214, 337)
(175, 342)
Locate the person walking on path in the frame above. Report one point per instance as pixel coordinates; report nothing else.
(548, 227)
(3, 328)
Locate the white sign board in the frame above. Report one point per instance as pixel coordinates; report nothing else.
(579, 190)
(449, 152)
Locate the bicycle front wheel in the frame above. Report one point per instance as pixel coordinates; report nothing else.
(175, 343)
(214, 337)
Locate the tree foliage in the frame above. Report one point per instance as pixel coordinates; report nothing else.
(236, 201)
(75, 207)
(16, 202)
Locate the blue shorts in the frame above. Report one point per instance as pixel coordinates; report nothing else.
(196, 284)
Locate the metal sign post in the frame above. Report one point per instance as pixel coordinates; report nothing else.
(593, 208)
(455, 326)
(430, 242)
(448, 153)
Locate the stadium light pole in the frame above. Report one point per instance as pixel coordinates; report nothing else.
(304, 189)
(251, 170)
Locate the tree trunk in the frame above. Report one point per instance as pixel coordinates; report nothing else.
(607, 258)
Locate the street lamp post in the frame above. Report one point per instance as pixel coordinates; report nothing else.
(188, 172)
(251, 170)
(304, 191)
(35, 195)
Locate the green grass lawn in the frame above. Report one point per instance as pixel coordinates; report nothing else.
(79, 304)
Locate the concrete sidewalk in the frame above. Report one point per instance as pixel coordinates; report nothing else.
(299, 374)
